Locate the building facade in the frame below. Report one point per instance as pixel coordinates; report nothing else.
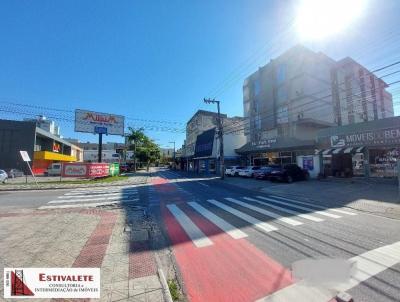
(198, 124)
(369, 149)
(43, 147)
(289, 100)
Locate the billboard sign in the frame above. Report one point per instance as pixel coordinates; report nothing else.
(86, 170)
(96, 122)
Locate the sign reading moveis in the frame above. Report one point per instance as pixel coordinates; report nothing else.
(87, 170)
(89, 121)
(367, 138)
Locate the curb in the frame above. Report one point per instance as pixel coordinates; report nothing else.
(34, 188)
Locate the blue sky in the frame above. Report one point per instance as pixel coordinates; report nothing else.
(156, 60)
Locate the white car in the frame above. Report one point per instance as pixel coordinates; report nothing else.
(249, 171)
(3, 176)
(233, 170)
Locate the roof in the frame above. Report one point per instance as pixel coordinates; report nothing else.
(280, 144)
(55, 137)
(205, 112)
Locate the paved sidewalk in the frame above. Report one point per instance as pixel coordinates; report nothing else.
(84, 238)
(139, 178)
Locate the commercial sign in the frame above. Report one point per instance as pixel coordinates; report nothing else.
(48, 283)
(308, 163)
(85, 170)
(56, 147)
(266, 143)
(96, 122)
(377, 137)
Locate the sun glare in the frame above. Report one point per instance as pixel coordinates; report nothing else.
(317, 19)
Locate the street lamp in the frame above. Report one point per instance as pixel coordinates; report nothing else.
(220, 136)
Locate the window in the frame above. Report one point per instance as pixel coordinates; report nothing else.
(257, 87)
(281, 94)
(281, 73)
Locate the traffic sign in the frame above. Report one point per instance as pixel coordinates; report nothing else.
(25, 156)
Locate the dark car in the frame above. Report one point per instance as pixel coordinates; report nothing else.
(265, 172)
(123, 168)
(12, 173)
(289, 173)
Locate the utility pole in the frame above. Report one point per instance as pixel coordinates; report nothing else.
(174, 151)
(220, 136)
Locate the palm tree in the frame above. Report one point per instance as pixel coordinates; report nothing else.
(136, 136)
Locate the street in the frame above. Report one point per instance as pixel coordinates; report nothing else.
(229, 243)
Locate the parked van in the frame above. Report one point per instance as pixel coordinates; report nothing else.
(54, 170)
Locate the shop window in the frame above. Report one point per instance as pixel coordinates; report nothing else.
(383, 162)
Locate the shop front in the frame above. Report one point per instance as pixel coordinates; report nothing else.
(276, 151)
(370, 149)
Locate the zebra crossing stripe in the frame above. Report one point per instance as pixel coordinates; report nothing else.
(101, 192)
(306, 209)
(93, 199)
(305, 216)
(82, 205)
(98, 195)
(314, 205)
(263, 226)
(198, 238)
(219, 222)
(263, 211)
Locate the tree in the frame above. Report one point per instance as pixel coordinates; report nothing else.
(143, 147)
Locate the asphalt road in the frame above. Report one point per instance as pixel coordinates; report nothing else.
(341, 237)
(234, 244)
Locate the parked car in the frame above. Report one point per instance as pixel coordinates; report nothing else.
(12, 173)
(289, 173)
(54, 170)
(265, 172)
(123, 168)
(233, 170)
(3, 176)
(249, 171)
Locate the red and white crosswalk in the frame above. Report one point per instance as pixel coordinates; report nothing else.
(270, 207)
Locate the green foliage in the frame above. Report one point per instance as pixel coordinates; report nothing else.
(146, 150)
(173, 289)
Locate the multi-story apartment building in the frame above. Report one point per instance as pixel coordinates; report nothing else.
(287, 101)
(358, 94)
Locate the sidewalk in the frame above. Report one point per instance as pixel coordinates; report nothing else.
(86, 238)
(133, 178)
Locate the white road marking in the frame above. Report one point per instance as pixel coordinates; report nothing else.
(219, 222)
(263, 211)
(200, 183)
(305, 216)
(101, 192)
(304, 208)
(93, 199)
(368, 264)
(97, 195)
(81, 205)
(315, 206)
(263, 226)
(196, 235)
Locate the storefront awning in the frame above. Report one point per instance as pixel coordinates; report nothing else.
(47, 155)
(279, 144)
(341, 150)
